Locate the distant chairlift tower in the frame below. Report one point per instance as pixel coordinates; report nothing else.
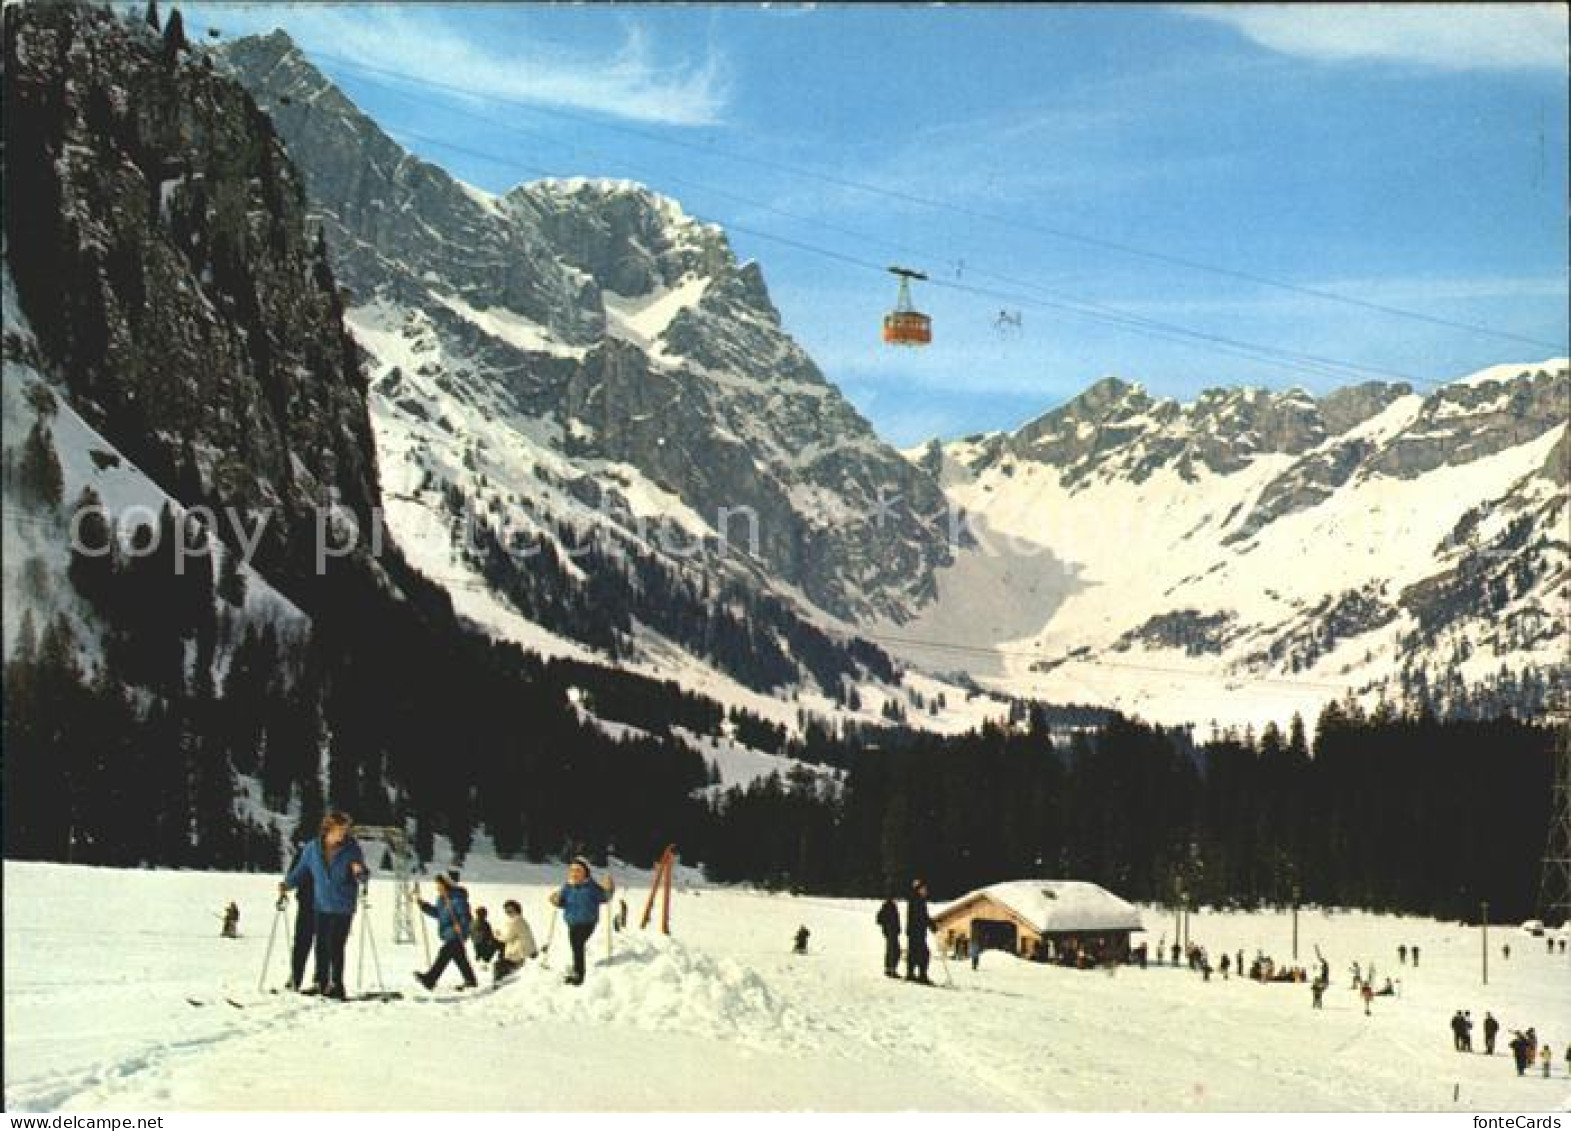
(1554, 888)
(401, 851)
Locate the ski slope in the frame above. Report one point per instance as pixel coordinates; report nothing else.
(100, 965)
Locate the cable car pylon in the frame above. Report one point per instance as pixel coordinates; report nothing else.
(905, 325)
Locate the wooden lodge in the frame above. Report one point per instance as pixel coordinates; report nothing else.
(1063, 921)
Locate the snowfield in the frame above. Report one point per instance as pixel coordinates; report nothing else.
(103, 967)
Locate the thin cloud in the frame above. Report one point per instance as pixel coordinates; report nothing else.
(1461, 37)
(629, 80)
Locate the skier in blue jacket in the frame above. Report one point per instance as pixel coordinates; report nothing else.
(451, 912)
(336, 868)
(580, 899)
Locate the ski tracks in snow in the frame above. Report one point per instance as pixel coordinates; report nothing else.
(145, 1072)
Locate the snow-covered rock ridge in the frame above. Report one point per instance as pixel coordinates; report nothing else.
(1275, 549)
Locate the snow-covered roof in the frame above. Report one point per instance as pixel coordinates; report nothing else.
(1056, 906)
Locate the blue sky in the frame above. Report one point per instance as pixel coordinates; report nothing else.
(1403, 156)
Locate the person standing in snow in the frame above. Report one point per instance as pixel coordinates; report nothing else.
(231, 927)
(1491, 1031)
(1414, 952)
(337, 868)
(580, 899)
(888, 920)
(1401, 954)
(518, 942)
(1519, 1052)
(918, 924)
(1545, 1057)
(305, 924)
(1317, 993)
(1368, 994)
(453, 922)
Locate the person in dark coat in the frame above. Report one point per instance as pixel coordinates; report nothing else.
(1519, 1046)
(337, 868)
(918, 924)
(580, 899)
(305, 924)
(231, 927)
(800, 944)
(483, 935)
(889, 922)
(1491, 1031)
(453, 922)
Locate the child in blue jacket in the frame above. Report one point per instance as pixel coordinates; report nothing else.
(580, 899)
(451, 912)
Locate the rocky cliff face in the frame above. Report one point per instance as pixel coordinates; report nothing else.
(164, 260)
(614, 329)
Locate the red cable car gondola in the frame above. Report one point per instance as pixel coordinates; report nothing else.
(905, 325)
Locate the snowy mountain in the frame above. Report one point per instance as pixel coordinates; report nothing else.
(590, 366)
(1372, 539)
(591, 338)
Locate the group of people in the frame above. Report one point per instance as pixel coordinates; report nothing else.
(328, 874)
(505, 952)
(918, 925)
(1526, 1050)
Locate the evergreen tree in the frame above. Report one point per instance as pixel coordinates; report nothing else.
(40, 482)
(93, 553)
(231, 579)
(174, 43)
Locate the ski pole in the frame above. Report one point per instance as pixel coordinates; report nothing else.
(278, 913)
(545, 951)
(365, 922)
(376, 961)
(425, 939)
(610, 927)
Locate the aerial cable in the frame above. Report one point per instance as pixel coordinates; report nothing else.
(1309, 364)
(962, 210)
